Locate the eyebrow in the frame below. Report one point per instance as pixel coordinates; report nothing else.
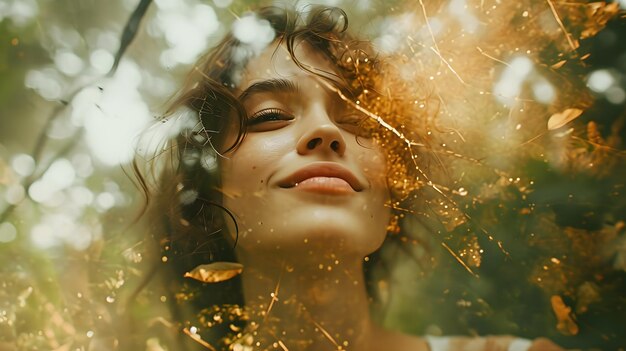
(277, 85)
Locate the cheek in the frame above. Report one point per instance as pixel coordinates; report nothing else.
(374, 165)
(250, 165)
(245, 174)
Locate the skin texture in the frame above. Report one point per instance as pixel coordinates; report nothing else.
(290, 222)
(311, 201)
(303, 245)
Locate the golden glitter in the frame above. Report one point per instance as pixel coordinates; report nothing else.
(431, 106)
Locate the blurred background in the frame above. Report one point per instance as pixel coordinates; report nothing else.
(71, 252)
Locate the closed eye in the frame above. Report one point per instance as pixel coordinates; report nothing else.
(268, 119)
(354, 123)
(351, 119)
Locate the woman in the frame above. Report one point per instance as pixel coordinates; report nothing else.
(281, 162)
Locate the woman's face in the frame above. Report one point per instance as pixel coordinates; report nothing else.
(301, 183)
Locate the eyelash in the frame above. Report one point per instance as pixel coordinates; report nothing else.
(351, 119)
(269, 115)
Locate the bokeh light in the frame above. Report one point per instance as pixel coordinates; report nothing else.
(525, 222)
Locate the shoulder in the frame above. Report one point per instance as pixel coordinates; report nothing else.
(489, 343)
(391, 340)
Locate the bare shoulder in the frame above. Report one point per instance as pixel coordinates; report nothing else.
(394, 341)
(490, 343)
(544, 344)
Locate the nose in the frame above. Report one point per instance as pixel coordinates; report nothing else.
(323, 138)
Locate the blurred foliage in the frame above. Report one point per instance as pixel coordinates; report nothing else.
(76, 271)
(559, 271)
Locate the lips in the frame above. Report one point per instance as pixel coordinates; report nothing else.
(323, 176)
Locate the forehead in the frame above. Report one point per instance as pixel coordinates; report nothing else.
(276, 62)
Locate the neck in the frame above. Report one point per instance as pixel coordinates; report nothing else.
(308, 304)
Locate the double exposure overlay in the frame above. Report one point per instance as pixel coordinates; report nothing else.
(501, 125)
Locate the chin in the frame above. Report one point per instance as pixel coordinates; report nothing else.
(316, 231)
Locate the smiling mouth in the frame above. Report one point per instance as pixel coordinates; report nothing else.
(328, 185)
(323, 177)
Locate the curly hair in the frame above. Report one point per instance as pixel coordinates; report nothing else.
(190, 226)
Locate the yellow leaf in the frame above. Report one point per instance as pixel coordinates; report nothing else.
(559, 64)
(215, 272)
(566, 324)
(560, 119)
